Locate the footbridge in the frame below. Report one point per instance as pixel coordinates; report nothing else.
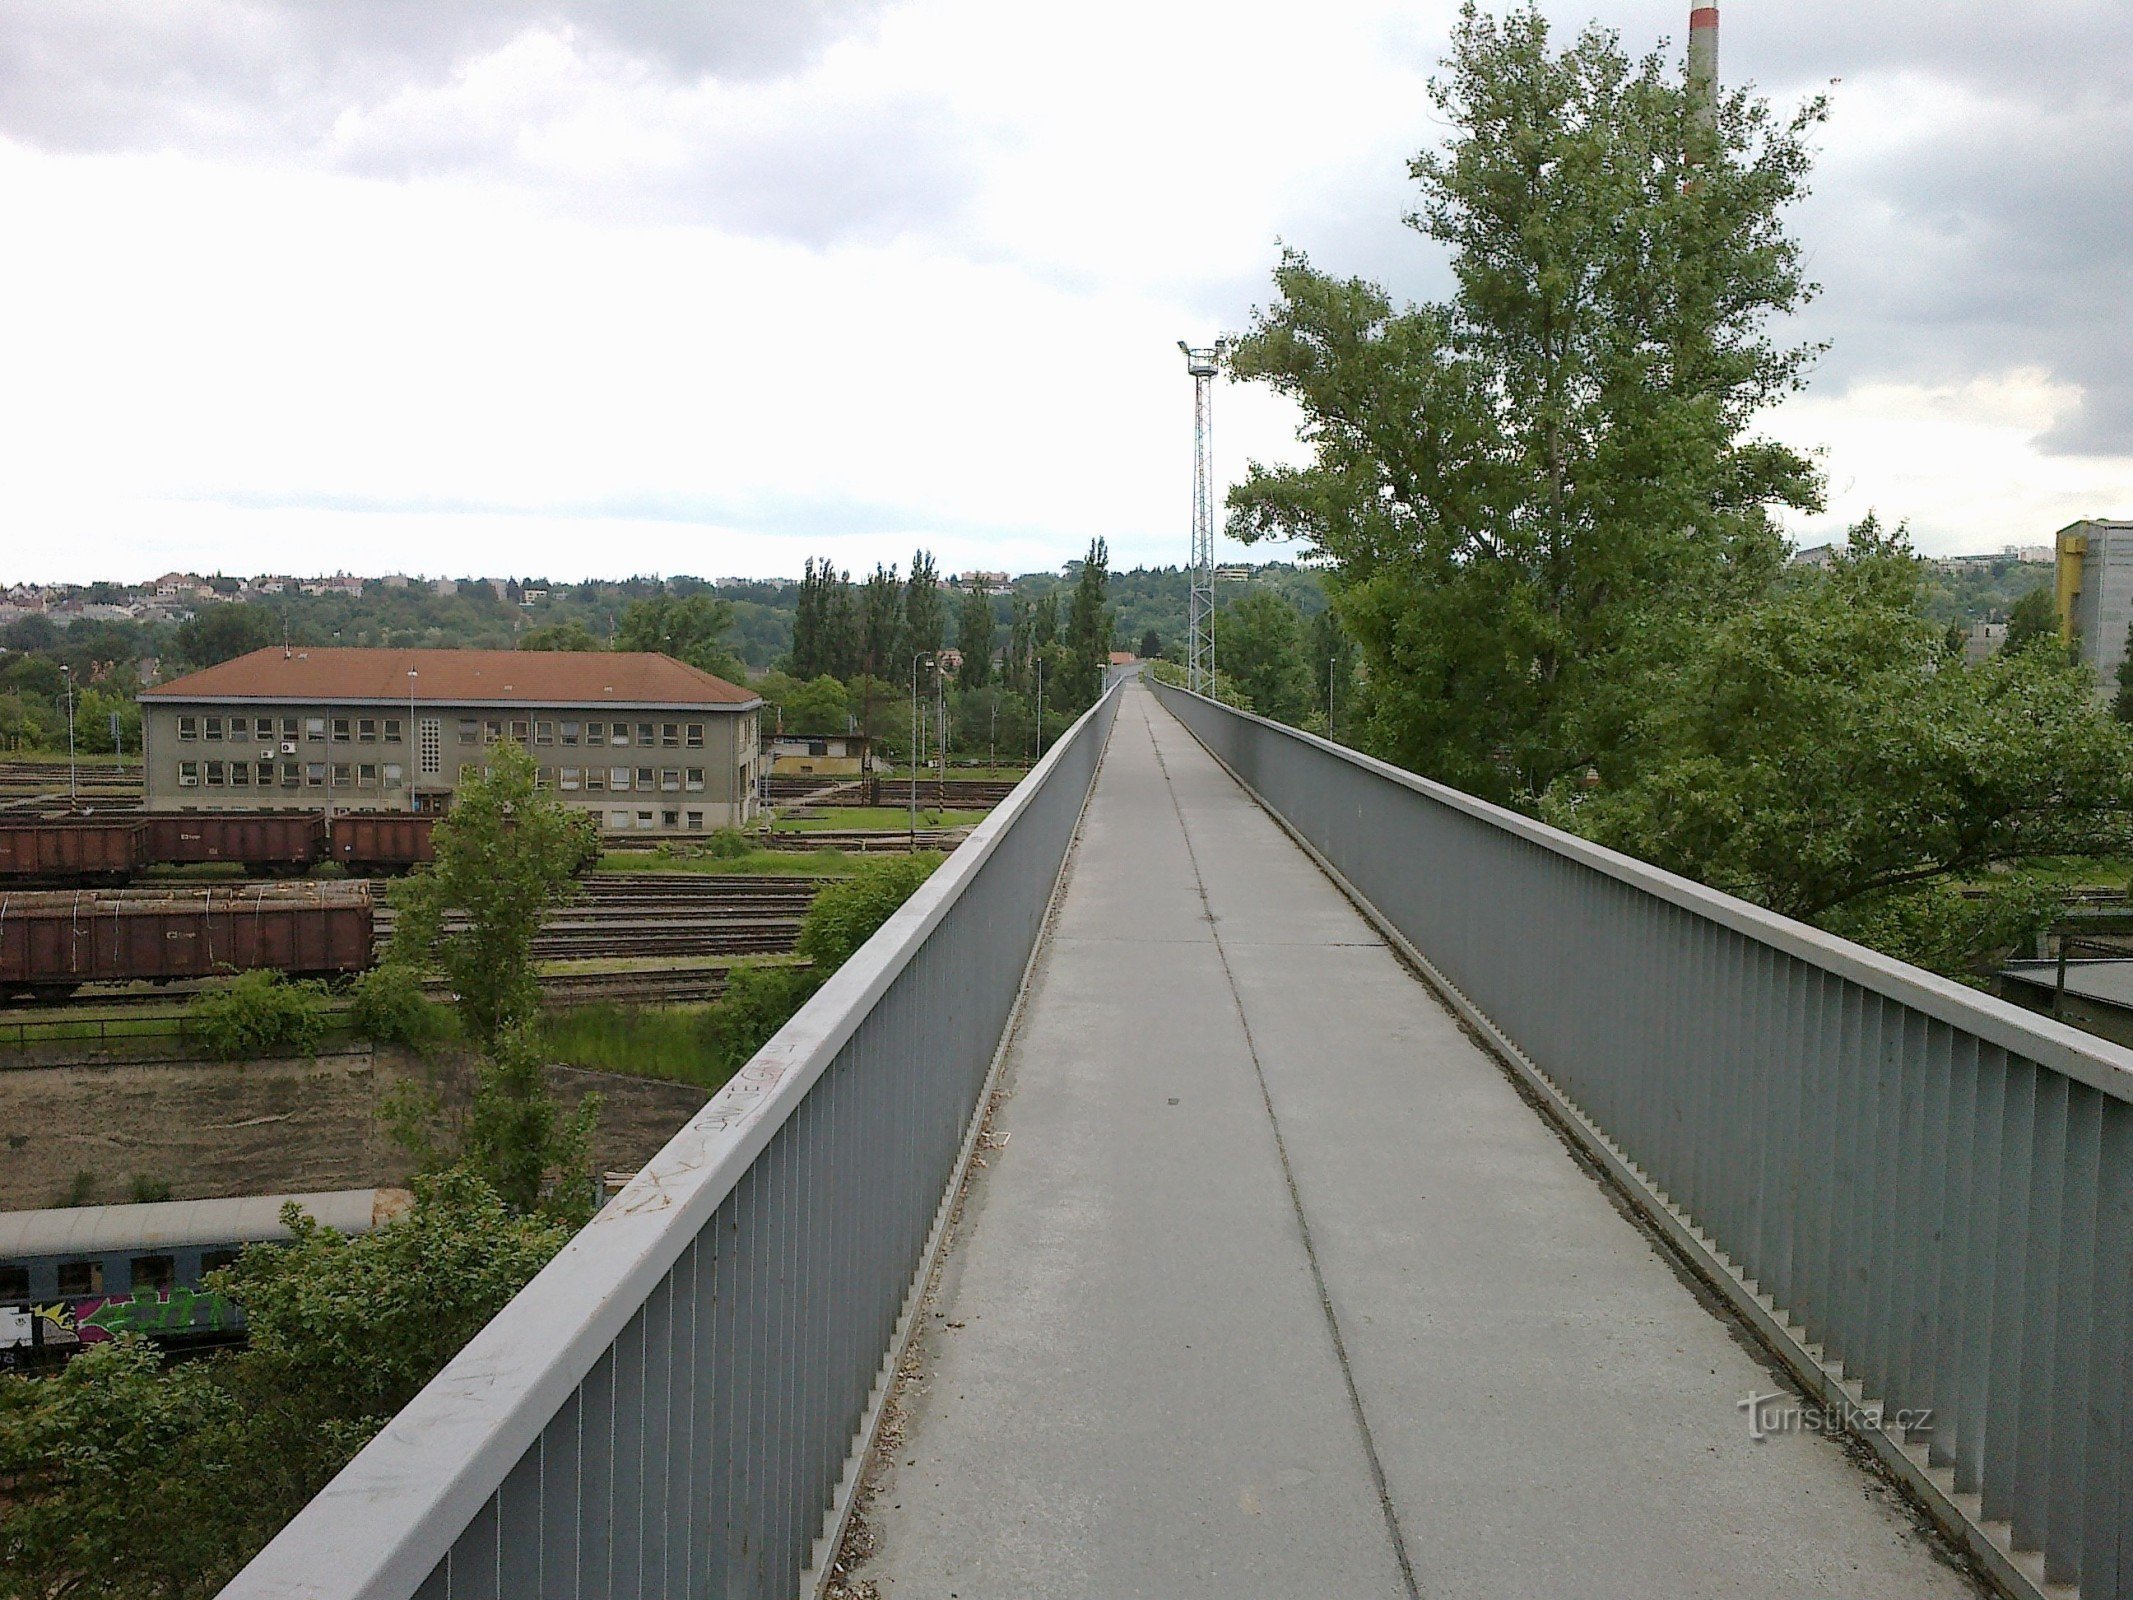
(1246, 1168)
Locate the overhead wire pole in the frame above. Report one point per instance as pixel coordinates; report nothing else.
(1202, 362)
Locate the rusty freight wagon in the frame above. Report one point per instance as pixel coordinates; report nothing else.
(268, 843)
(52, 941)
(72, 849)
(369, 841)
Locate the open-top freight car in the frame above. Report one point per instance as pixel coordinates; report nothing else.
(72, 849)
(114, 849)
(269, 843)
(83, 1274)
(381, 842)
(54, 940)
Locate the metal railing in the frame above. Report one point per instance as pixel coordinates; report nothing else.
(669, 1407)
(1920, 1195)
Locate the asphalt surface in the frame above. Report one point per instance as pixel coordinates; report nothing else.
(1278, 1288)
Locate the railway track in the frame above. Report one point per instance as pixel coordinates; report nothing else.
(642, 915)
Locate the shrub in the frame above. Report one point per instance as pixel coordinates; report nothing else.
(845, 915)
(390, 1007)
(258, 1014)
(758, 1002)
(727, 844)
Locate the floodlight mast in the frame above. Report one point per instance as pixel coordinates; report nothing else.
(1202, 362)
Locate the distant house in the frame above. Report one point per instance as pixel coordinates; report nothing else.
(951, 661)
(985, 582)
(1819, 555)
(815, 755)
(1984, 639)
(1123, 658)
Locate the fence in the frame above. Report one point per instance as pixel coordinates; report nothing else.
(1922, 1196)
(669, 1407)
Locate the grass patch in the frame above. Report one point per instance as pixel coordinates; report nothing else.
(637, 1041)
(885, 818)
(759, 863)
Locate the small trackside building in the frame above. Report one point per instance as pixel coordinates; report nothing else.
(644, 742)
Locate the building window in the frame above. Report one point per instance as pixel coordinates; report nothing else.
(696, 736)
(520, 729)
(367, 775)
(621, 735)
(694, 778)
(216, 1260)
(367, 730)
(288, 730)
(572, 778)
(469, 730)
(154, 1272)
(696, 822)
(670, 735)
(670, 779)
(670, 819)
(492, 730)
(571, 731)
(314, 728)
(618, 819)
(188, 727)
(290, 778)
(77, 1278)
(393, 735)
(314, 774)
(238, 729)
(646, 736)
(432, 751)
(240, 774)
(618, 779)
(644, 819)
(544, 732)
(392, 774)
(343, 775)
(468, 772)
(214, 774)
(596, 733)
(596, 779)
(341, 726)
(213, 729)
(188, 774)
(14, 1285)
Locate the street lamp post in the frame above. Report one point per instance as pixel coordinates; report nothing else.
(73, 786)
(413, 758)
(1040, 708)
(915, 660)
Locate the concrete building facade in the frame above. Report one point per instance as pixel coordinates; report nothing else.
(2095, 591)
(644, 742)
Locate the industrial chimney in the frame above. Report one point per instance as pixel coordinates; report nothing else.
(1703, 84)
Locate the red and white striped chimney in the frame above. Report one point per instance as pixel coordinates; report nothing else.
(1703, 78)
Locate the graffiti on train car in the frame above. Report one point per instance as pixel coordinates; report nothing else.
(95, 1318)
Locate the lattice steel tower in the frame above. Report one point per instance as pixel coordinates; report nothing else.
(1202, 363)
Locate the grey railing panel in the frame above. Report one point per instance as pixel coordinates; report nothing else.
(667, 1408)
(1932, 1187)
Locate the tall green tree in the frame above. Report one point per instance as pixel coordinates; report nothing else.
(221, 632)
(925, 614)
(1535, 492)
(507, 853)
(1088, 631)
(2034, 618)
(974, 638)
(690, 628)
(1820, 754)
(2122, 700)
(571, 636)
(1263, 654)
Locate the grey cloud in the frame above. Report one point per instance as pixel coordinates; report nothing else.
(125, 74)
(297, 78)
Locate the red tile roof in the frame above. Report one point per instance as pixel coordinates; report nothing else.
(459, 677)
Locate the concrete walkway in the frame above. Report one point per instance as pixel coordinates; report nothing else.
(1279, 1289)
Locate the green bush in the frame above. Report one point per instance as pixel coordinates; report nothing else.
(727, 844)
(390, 1007)
(845, 915)
(758, 1002)
(258, 1014)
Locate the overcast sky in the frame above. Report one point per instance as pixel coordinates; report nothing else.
(616, 286)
